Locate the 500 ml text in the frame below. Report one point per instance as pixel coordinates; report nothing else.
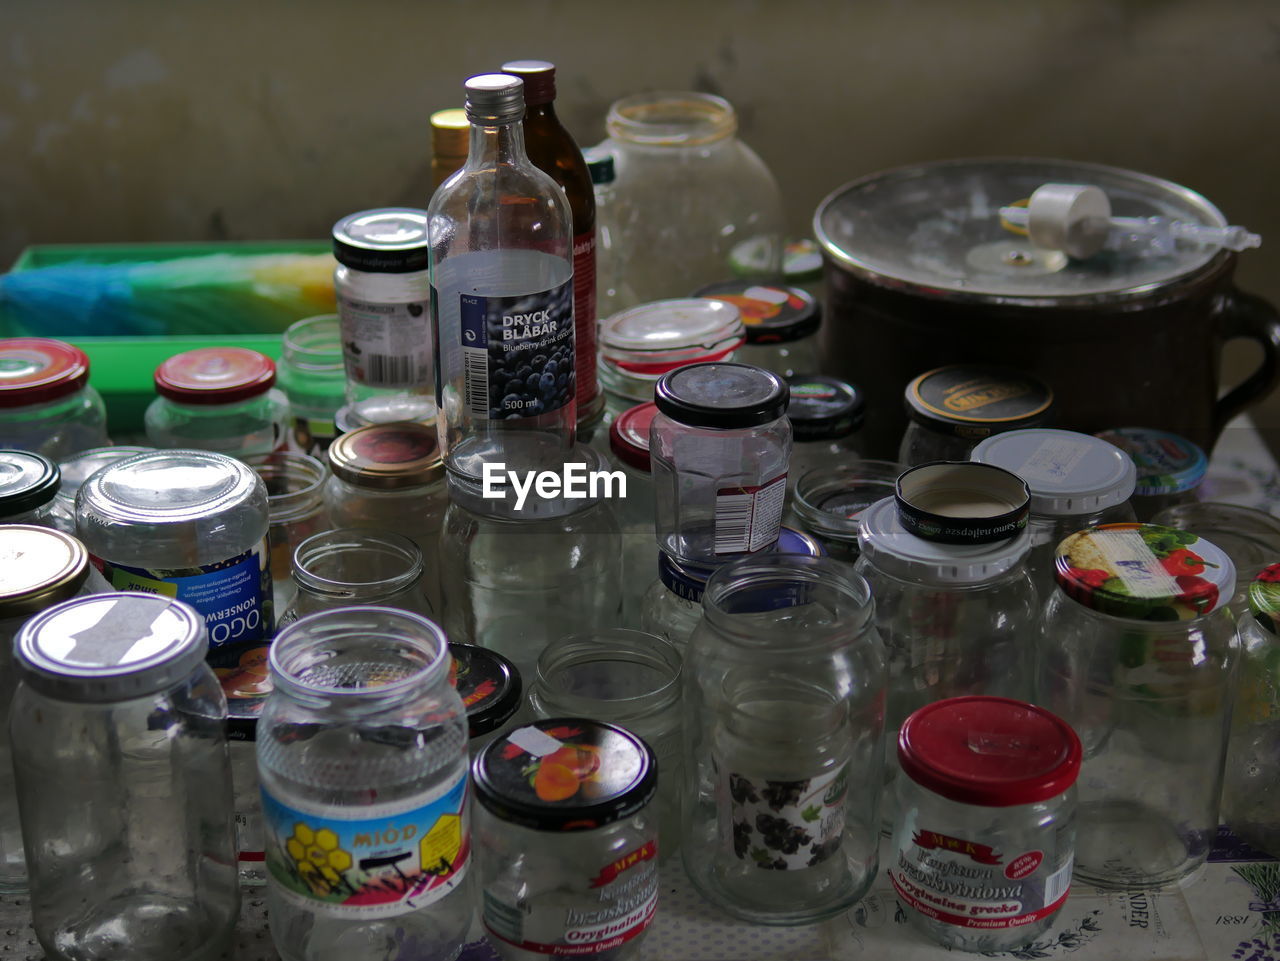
(574, 482)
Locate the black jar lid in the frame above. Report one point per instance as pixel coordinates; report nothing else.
(488, 684)
(27, 480)
(823, 408)
(975, 400)
(389, 240)
(722, 396)
(565, 774)
(771, 313)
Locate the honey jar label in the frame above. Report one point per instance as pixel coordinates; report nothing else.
(784, 825)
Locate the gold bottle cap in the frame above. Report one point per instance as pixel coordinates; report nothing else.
(450, 132)
(388, 456)
(39, 567)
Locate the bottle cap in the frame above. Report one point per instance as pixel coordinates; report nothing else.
(539, 78)
(494, 98)
(722, 396)
(629, 436)
(823, 408)
(35, 370)
(488, 684)
(1166, 463)
(388, 456)
(600, 165)
(215, 375)
(977, 401)
(389, 240)
(961, 502)
(450, 133)
(39, 567)
(770, 314)
(1067, 473)
(27, 481)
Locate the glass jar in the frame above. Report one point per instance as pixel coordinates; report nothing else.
(490, 688)
(312, 376)
(781, 324)
(639, 345)
(1253, 754)
(295, 505)
(672, 606)
(1075, 480)
(783, 719)
(951, 409)
(73, 472)
(829, 500)
(719, 449)
(1170, 468)
(628, 678)
(688, 192)
(219, 399)
(362, 758)
(565, 841)
(384, 302)
(1138, 654)
(350, 567)
(825, 413)
(189, 524)
(982, 844)
(1251, 538)
(47, 404)
(29, 483)
(124, 782)
(390, 477)
(38, 568)
(629, 444)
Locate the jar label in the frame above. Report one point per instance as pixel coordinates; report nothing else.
(518, 353)
(584, 315)
(971, 885)
(786, 825)
(749, 519)
(613, 907)
(387, 345)
(1053, 462)
(369, 862)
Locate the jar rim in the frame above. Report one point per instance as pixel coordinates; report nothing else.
(322, 328)
(349, 540)
(290, 465)
(624, 648)
(671, 118)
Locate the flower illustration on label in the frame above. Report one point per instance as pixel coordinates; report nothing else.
(786, 825)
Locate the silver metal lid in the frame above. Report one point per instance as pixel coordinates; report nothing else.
(38, 568)
(494, 98)
(110, 647)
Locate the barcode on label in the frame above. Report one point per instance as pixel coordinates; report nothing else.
(476, 380)
(748, 519)
(733, 523)
(1057, 884)
(382, 370)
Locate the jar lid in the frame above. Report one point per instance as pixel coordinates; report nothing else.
(1068, 473)
(76, 470)
(801, 260)
(770, 314)
(168, 487)
(651, 339)
(246, 685)
(389, 240)
(1250, 537)
(215, 375)
(488, 684)
(27, 481)
(110, 647)
(823, 408)
(36, 370)
(629, 436)
(1166, 463)
(989, 751)
(535, 775)
(962, 502)
(977, 401)
(600, 165)
(722, 396)
(892, 548)
(388, 456)
(689, 581)
(1264, 599)
(39, 567)
(1144, 572)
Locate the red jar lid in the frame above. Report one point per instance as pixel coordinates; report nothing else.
(629, 435)
(215, 375)
(35, 370)
(989, 751)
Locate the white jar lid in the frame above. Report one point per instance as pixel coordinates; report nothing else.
(1067, 473)
(893, 549)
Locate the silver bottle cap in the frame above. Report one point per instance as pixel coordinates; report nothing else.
(495, 98)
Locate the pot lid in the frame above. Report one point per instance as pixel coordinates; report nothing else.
(936, 229)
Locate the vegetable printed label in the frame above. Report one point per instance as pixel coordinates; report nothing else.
(369, 862)
(749, 518)
(786, 825)
(387, 345)
(971, 885)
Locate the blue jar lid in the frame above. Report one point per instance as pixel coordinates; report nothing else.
(1167, 463)
(688, 581)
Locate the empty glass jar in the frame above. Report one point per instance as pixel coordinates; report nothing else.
(830, 499)
(74, 471)
(295, 504)
(47, 404)
(312, 376)
(825, 414)
(349, 567)
(629, 444)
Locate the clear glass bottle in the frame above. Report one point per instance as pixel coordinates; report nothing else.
(825, 413)
(1076, 481)
(829, 500)
(384, 303)
(351, 567)
(295, 505)
(362, 758)
(565, 841)
(781, 324)
(689, 193)
(29, 482)
(390, 477)
(188, 524)
(312, 375)
(73, 472)
(784, 749)
(612, 289)
(502, 296)
(47, 404)
(220, 399)
(629, 444)
(1170, 468)
(490, 688)
(124, 783)
(719, 448)
(631, 679)
(1138, 654)
(1250, 537)
(951, 409)
(982, 845)
(39, 568)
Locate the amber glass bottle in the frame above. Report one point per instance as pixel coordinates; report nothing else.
(553, 151)
(450, 140)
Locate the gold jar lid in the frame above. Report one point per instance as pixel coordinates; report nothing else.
(388, 456)
(450, 133)
(39, 567)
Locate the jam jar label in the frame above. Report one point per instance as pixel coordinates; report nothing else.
(387, 345)
(369, 862)
(749, 519)
(785, 825)
(972, 885)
